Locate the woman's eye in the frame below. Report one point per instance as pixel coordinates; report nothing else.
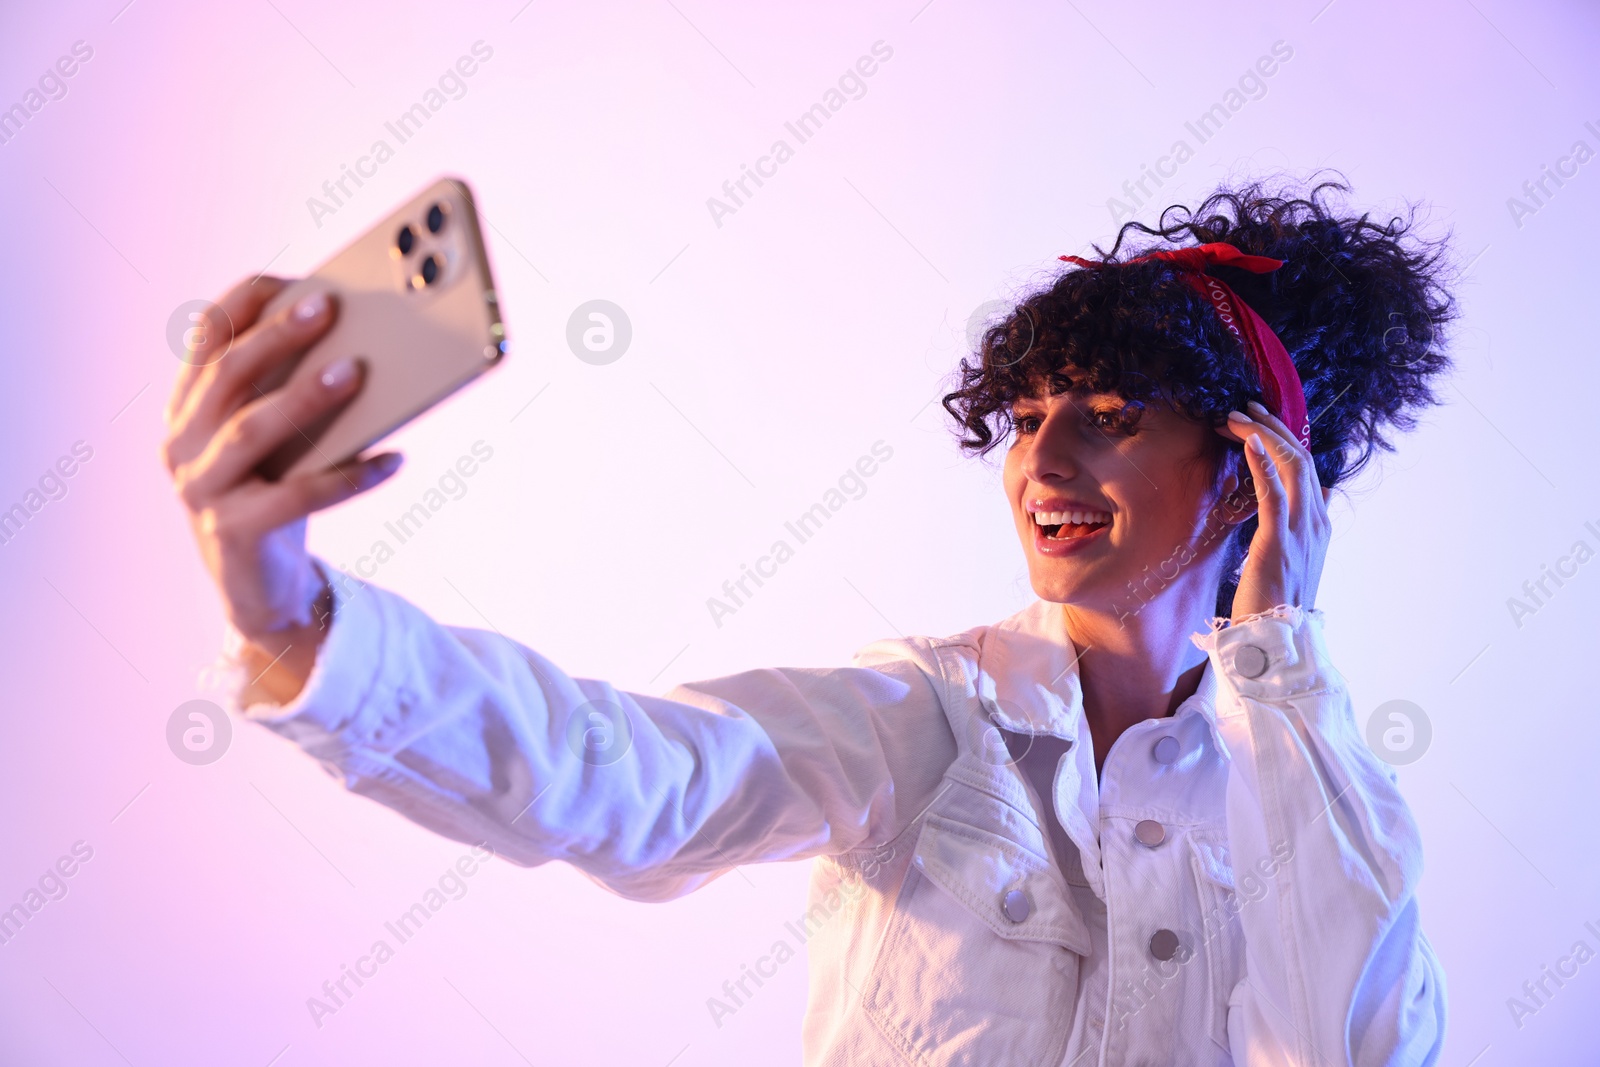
(1026, 424)
(1111, 420)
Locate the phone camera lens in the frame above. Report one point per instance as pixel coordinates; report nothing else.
(430, 270)
(406, 240)
(435, 219)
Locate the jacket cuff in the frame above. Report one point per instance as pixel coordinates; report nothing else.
(348, 666)
(1272, 655)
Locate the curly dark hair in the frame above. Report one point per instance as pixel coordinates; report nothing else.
(1360, 305)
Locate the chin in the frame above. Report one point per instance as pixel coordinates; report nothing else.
(1050, 583)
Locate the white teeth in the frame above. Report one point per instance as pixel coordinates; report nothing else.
(1058, 518)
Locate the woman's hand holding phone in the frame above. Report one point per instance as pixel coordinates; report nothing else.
(252, 532)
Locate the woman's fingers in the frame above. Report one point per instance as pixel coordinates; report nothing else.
(225, 387)
(1284, 563)
(1305, 483)
(1263, 581)
(215, 331)
(1285, 449)
(295, 498)
(257, 429)
(236, 524)
(267, 346)
(1272, 501)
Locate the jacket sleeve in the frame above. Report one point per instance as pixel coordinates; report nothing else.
(478, 738)
(1337, 970)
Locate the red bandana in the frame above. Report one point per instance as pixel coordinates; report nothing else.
(1281, 390)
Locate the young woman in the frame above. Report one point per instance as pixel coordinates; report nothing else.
(1135, 823)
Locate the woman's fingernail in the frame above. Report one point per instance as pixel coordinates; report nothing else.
(339, 373)
(1256, 446)
(1258, 407)
(311, 306)
(1239, 416)
(380, 468)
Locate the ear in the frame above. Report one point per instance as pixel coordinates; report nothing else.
(1236, 494)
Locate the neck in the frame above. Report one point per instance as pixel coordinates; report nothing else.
(1137, 666)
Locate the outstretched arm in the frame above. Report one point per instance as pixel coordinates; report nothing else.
(471, 734)
(481, 739)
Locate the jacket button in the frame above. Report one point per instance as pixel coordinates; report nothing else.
(1250, 661)
(1015, 905)
(1166, 750)
(1150, 833)
(1163, 945)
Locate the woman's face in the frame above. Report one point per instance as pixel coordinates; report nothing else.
(1110, 516)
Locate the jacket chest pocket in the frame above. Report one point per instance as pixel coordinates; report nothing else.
(979, 962)
(1220, 939)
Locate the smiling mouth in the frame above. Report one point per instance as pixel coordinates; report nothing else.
(1068, 525)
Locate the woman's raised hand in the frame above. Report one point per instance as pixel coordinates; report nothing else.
(1284, 564)
(220, 426)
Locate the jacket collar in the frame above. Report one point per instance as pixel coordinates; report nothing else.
(1028, 673)
(1028, 681)
(1028, 676)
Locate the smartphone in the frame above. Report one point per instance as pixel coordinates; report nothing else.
(416, 306)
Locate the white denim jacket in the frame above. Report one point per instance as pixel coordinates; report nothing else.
(1238, 888)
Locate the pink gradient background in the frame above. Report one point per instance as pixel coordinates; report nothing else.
(819, 318)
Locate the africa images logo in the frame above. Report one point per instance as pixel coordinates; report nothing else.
(199, 732)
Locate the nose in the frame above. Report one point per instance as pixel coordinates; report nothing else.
(1051, 455)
